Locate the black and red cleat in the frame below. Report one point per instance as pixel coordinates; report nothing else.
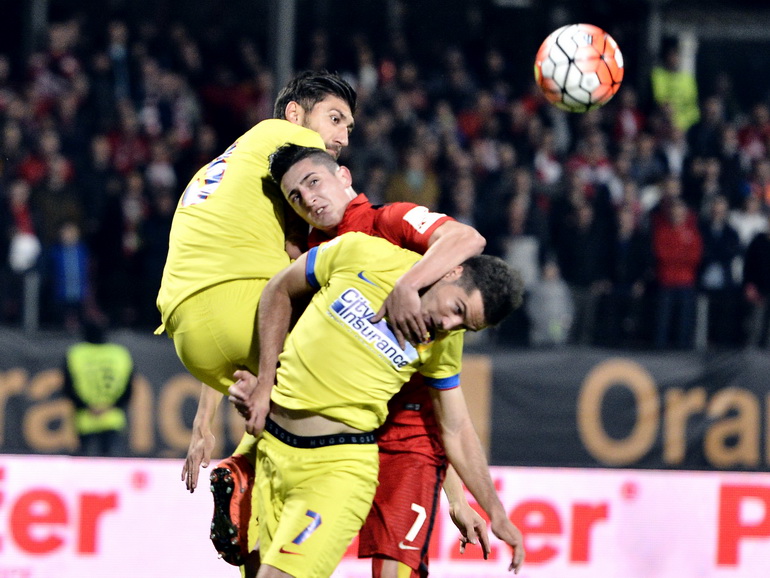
(231, 484)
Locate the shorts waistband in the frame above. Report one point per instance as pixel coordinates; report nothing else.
(310, 442)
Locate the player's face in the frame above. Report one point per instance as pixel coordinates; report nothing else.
(333, 120)
(447, 306)
(317, 194)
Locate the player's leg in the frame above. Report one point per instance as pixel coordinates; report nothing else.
(214, 334)
(312, 502)
(398, 529)
(389, 568)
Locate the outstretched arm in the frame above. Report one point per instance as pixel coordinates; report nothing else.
(471, 525)
(202, 440)
(281, 296)
(464, 451)
(449, 245)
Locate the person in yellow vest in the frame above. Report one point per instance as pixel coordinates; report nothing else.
(675, 89)
(98, 379)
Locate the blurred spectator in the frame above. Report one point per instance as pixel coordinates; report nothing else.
(130, 148)
(57, 199)
(648, 165)
(524, 242)
(98, 380)
(415, 181)
(670, 191)
(160, 173)
(463, 200)
(14, 150)
(733, 165)
(673, 150)
(756, 287)
(628, 119)
(546, 162)
(373, 145)
(749, 220)
(705, 185)
(154, 232)
(95, 181)
(118, 51)
(116, 246)
(20, 247)
(549, 308)
(675, 89)
(68, 277)
(583, 259)
(591, 162)
(705, 136)
(678, 248)
(630, 266)
(35, 166)
(759, 181)
(717, 282)
(753, 137)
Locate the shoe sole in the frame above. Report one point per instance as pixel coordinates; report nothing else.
(224, 534)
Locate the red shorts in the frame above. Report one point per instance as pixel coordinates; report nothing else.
(403, 514)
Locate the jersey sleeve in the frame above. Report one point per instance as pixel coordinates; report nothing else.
(442, 367)
(408, 225)
(344, 252)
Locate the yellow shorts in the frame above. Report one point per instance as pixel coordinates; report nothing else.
(312, 502)
(214, 331)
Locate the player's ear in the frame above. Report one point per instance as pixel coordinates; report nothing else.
(343, 173)
(454, 274)
(294, 112)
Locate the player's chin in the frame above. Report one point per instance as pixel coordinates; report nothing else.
(335, 153)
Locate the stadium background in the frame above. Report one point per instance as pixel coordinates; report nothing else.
(627, 413)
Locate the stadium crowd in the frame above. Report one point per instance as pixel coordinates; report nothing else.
(633, 225)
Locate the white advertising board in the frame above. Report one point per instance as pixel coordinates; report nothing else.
(64, 517)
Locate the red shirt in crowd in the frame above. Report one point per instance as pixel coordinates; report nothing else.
(678, 249)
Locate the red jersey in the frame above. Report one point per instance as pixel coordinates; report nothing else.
(411, 425)
(404, 224)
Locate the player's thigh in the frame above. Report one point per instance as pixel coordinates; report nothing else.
(312, 503)
(401, 521)
(215, 333)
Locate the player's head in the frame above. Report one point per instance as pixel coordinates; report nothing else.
(321, 101)
(477, 294)
(317, 188)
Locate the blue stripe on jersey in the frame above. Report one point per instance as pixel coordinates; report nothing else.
(310, 268)
(443, 382)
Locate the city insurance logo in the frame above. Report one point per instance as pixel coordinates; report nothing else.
(354, 310)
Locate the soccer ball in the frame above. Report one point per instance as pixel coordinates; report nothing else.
(579, 67)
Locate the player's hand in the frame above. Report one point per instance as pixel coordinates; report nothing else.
(510, 534)
(251, 398)
(472, 527)
(198, 456)
(402, 308)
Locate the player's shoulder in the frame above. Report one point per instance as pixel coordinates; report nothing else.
(354, 239)
(357, 245)
(279, 130)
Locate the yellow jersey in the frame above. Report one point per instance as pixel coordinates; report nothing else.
(338, 364)
(229, 223)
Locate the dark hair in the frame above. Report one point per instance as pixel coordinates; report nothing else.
(94, 331)
(288, 155)
(501, 286)
(311, 87)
